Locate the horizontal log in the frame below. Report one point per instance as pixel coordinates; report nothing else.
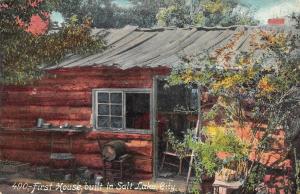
(48, 98)
(62, 116)
(28, 156)
(63, 102)
(138, 147)
(107, 70)
(45, 109)
(40, 141)
(26, 116)
(93, 161)
(30, 88)
(43, 158)
(22, 144)
(92, 84)
(25, 123)
(16, 123)
(45, 146)
(78, 147)
(85, 86)
(112, 77)
(117, 136)
(89, 160)
(91, 135)
(47, 94)
(96, 73)
(142, 164)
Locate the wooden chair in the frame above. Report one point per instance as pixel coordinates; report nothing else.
(170, 152)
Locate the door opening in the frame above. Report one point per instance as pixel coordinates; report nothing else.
(176, 112)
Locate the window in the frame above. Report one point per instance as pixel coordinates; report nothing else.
(109, 110)
(137, 111)
(122, 109)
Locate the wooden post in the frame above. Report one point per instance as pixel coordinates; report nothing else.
(1, 82)
(154, 128)
(197, 132)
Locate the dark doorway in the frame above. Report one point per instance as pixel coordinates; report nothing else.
(177, 112)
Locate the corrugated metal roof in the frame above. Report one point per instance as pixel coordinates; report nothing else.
(137, 47)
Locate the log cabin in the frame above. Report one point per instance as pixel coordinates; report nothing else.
(118, 94)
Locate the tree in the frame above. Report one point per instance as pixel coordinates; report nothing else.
(101, 12)
(264, 92)
(25, 54)
(206, 13)
(149, 13)
(296, 18)
(174, 14)
(106, 14)
(143, 12)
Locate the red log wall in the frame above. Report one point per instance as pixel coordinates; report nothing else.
(65, 96)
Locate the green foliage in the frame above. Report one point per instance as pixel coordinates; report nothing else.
(272, 87)
(106, 14)
(199, 19)
(143, 12)
(255, 178)
(267, 91)
(148, 13)
(101, 12)
(180, 147)
(24, 55)
(10, 9)
(174, 14)
(205, 13)
(218, 140)
(296, 19)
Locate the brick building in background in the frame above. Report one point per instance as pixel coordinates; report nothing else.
(283, 21)
(276, 21)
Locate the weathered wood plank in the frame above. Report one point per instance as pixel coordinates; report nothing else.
(81, 146)
(48, 116)
(142, 164)
(93, 161)
(139, 147)
(117, 135)
(107, 70)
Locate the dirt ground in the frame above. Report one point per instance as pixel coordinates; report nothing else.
(9, 189)
(36, 186)
(14, 184)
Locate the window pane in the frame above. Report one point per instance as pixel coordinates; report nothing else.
(116, 122)
(103, 97)
(116, 110)
(103, 121)
(103, 109)
(137, 110)
(116, 97)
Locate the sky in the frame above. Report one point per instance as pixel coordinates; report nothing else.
(264, 9)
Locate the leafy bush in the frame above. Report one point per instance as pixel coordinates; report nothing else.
(218, 141)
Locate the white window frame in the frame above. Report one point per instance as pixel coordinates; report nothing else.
(123, 91)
